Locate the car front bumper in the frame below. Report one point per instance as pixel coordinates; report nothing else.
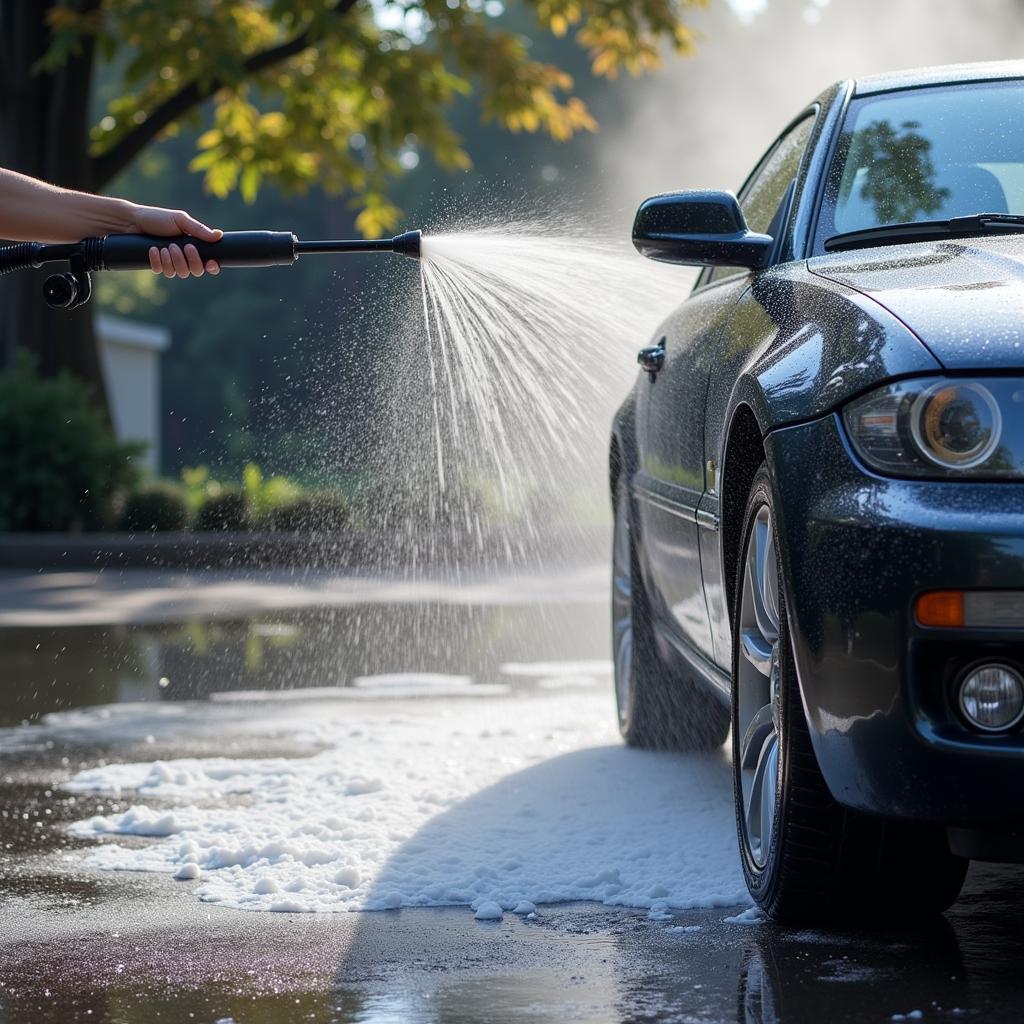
(877, 687)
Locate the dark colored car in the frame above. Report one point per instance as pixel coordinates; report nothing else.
(818, 483)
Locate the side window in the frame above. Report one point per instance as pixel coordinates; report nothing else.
(763, 194)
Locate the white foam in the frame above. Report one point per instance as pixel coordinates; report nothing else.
(752, 915)
(517, 802)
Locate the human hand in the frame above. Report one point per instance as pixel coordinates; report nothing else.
(175, 260)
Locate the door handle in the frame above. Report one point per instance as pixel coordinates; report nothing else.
(652, 359)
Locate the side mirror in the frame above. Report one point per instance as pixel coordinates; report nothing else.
(698, 229)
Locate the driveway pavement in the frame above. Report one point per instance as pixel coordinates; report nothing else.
(125, 596)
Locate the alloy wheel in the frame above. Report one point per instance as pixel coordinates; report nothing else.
(757, 684)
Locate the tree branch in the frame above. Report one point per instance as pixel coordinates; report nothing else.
(108, 165)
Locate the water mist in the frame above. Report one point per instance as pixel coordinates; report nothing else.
(519, 343)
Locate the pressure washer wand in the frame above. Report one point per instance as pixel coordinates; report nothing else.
(131, 252)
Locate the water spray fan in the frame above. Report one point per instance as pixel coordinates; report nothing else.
(73, 288)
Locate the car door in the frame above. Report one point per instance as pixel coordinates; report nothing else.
(765, 200)
(675, 476)
(670, 478)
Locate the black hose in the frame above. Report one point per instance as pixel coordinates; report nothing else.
(19, 256)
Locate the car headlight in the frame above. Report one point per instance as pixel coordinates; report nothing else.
(941, 427)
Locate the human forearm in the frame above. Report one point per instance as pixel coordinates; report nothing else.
(33, 211)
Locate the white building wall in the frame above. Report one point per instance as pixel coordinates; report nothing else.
(130, 356)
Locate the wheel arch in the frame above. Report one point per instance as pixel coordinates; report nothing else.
(622, 448)
(614, 465)
(742, 457)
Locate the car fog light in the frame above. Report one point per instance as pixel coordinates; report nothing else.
(992, 697)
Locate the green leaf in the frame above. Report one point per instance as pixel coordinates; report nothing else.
(250, 183)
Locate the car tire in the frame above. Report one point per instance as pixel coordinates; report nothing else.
(805, 858)
(658, 708)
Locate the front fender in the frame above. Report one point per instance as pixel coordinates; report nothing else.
(820, 344)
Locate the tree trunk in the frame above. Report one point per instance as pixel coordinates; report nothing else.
(44, 132)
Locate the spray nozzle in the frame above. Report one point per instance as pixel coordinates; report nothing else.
(405, 244)
(408, 243)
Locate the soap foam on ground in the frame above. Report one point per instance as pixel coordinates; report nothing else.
(511, 801)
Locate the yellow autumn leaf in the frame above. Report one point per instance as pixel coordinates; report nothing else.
(605, 63)
(273, 123)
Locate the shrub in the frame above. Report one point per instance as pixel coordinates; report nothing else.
(262, 494)
(61, 466)
(323, 512)
(266, 493)
(227, 510)
(197, 486)
(157, 506)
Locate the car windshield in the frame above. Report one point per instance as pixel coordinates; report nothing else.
(927, 154)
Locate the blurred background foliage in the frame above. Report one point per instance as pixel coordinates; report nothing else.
(60, 464)
(329, 92)
(289, 369)
(297, 98)
(63, 469)
(246, 376)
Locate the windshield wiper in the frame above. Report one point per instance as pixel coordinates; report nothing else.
(925, 230)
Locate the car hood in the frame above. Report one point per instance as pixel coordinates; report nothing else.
(963, 298)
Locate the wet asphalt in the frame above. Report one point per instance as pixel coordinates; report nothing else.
(133, 947)
(83, 945)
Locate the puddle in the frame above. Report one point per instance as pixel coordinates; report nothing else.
(374, 649)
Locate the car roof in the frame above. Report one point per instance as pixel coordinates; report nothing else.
(939, 75)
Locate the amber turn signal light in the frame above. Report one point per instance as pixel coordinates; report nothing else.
(941, 608)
